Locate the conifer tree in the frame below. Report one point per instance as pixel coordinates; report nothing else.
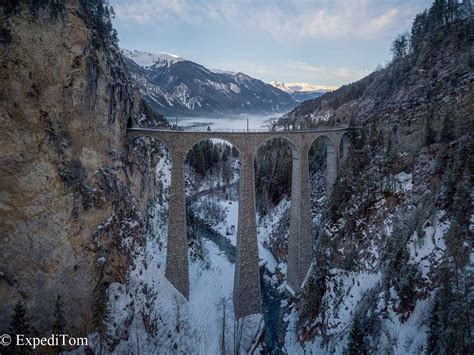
(235, 153)
(59, 325)
(215, 154)
(101, 315)
(418, 31)
(19, 325)
(226, 172)
(356, 342)
(434, 329)
(429, 132)
(200, 162)
(447, 130)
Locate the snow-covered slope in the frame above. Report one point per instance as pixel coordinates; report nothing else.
(146, 59)
(302, 87)
(303, 91)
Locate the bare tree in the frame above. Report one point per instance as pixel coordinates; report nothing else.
(178, 314)
(223, 302)
(238, 327)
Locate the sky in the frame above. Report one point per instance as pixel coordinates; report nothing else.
(323, 42)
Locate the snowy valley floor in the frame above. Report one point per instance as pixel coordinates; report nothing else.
(150, 316)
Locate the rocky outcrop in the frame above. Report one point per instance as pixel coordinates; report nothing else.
(72, 199)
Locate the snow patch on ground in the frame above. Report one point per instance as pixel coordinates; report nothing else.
(408, 337)
(426, 251)
(266, 232)
(229, 226)
(403, 182)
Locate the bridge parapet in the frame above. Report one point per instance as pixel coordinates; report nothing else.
(242, 140)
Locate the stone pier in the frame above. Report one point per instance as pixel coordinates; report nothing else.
(300, 239)
(247, 275)
(177, 246)
(332, 160)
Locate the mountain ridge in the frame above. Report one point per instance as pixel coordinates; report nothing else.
(303, 91)
(147, 59)
(292, 87)
(176, 86)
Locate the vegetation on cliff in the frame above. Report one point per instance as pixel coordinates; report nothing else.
(393, 248)
(72, 203)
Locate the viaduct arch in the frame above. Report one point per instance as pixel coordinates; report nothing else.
(300, 244)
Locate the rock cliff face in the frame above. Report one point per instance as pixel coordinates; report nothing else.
(72, 199)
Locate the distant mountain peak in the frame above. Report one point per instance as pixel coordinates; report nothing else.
(302, 87)
(147, 59)
(302, 91)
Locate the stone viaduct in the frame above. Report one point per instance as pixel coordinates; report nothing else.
(300, 244)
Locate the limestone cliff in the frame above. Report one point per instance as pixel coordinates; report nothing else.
(72, 200)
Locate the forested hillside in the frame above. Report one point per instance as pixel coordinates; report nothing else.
(393, 267)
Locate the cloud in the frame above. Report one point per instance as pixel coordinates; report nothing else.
(325, 74)
(289, 20)
(297, 71)
(156, 12)
(342, 23)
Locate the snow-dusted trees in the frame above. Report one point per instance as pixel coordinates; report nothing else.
(99, 13)
(451, 319)
(450, 322)
(272, 174)
(400, 46)
(59, 324)
(20, 324)
(207, 156)
(356, 344)
(427, 24)
(101, 316)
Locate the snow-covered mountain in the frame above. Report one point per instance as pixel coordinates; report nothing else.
(175, 86)
(303, 91)
(147, 60)
(301, 87)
